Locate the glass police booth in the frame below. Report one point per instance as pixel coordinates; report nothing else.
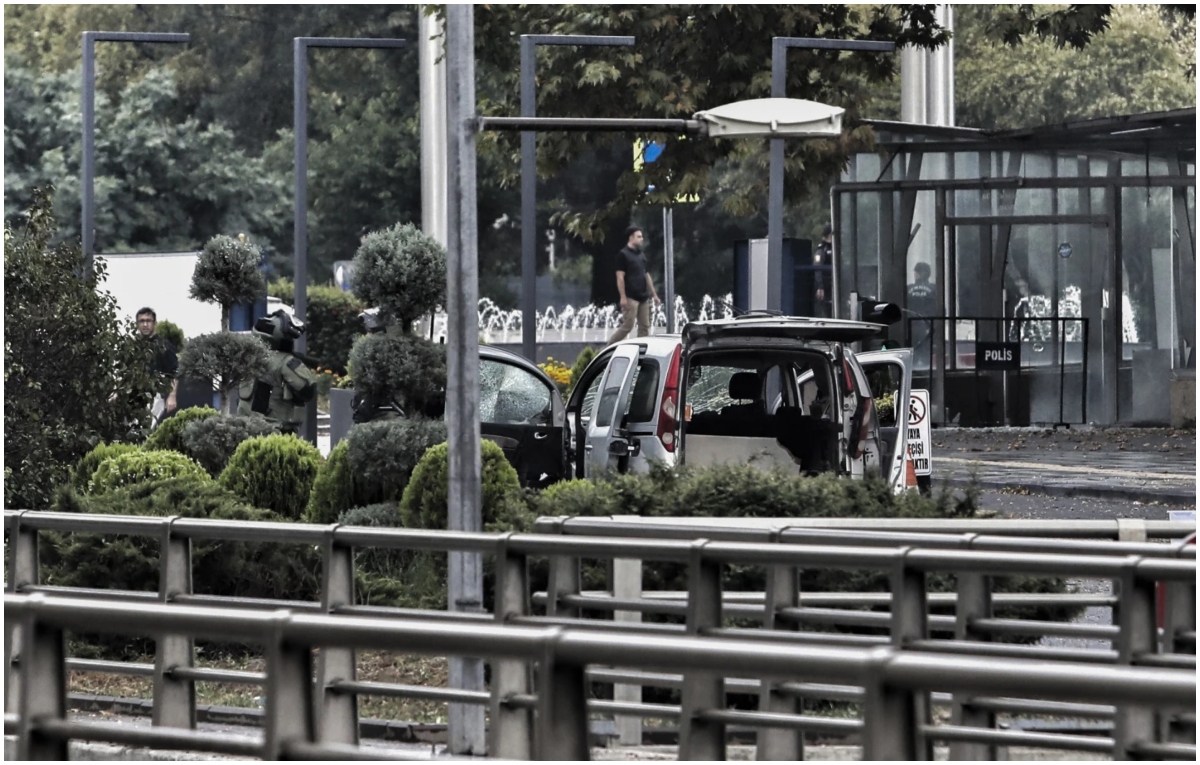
(1047, 275)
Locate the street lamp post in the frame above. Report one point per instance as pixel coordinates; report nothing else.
(88, 191)
(529, 45)
(300, 46)
(779, 49)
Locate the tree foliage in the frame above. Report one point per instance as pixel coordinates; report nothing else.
(74, 374)
(226, 358)
(227, 272)
(402, 271)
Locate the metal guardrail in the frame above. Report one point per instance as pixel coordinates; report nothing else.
(895, 723)
(909, 622)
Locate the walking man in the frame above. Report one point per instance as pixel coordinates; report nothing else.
(164, 366)
(634, 286)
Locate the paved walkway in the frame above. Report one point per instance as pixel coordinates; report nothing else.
(1145, 465)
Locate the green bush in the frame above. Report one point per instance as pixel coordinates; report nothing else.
(142, 466)
(332, 322)
(402, 271)
(383, 455)
(75, 373)
(123, 562)
(226, 358)
(169, 435)
(82, 475)
(408, 368)
(585, 357)
(398, 578)
(228, 272)
(578, 497)
(211, 441)
(426, 499)
(333, 487)
(273, 472)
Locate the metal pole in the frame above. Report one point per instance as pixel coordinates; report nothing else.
(89, 148)
(433, 128)
(88, 192)
(300, 46)
(779, 49)
(466, 727)
(669, 267)
(529, 45)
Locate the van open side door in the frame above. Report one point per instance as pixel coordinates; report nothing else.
(605, 445)
(890, 376)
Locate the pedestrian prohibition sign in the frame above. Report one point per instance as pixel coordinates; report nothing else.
(918, 432)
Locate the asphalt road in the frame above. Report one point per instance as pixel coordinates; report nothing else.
(1013, 504)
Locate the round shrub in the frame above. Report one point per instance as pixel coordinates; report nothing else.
(226, 358)
(274, 472)
(383, 456)
(578, 497)
(408, 368)
(141, 466)
(426, 498)
(213, 440)
(169, 435)
(333, 488)
(82, 475)
(402, 271)
(171, 331)
(228, 272)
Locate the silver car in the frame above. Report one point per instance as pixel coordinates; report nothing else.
(765, 390)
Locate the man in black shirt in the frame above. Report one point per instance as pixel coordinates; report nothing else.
(165, 364)
(634, 286)
(922, 302)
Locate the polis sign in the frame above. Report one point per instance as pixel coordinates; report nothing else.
(997, 355)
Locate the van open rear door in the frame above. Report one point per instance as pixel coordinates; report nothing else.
(890, 375)
(605, 445)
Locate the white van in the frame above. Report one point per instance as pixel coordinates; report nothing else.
(765, 390)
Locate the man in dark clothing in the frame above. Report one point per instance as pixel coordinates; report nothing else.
(823, 262)
(165, 365)
(922, 302)
(634, 286)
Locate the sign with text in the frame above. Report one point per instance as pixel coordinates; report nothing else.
(918, 432)
(997, 355)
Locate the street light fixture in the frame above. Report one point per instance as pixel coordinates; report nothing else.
(300, 46)
(529, 45)
(88, 192)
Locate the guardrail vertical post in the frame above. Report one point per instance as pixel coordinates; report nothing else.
(174, 698)
(564, 580)
(890, 718)
(1137, 635)
(627, 583)
(974, 602)
(289, 693)
(23, 570)
(562, 720)
(701, 739)
(783, 591)
(511, 730)
(43, 687)
(1179, 615)
(336, 710)
(910, 621)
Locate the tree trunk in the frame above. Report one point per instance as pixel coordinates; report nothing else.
(226, 313)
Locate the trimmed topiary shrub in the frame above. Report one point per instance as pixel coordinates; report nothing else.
(142, 466)
(426, 498)
(402, 271)
(274, 472)
(384, 454)
(226, 358)
(227, 272)
(408, 368)
(333, 488)
(169, 435)
(171, 331)
(82, 475)
(213, 440)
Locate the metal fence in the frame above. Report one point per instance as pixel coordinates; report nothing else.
(1136, 567)
(895, 723)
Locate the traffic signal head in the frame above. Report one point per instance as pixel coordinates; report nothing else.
(877, 311)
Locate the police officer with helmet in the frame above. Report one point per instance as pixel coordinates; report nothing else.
(281, 392)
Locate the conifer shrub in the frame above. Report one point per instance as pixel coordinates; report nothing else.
(211, 441)
(581, 361)
(82, 475)
(169, 435)
(142, 466)
(395, 577)
(274, 472)
(426, 499)
(333, 488)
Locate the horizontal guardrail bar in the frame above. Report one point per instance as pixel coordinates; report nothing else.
(1055, 629)
(1070, 742)
(107, 667)
(1170, 660)
(1149, 749)
(411, 692)
(783, 636)
(805, 723)
(414, 539)
(1014, 651)
(1034, 707)
(816, 599)
(151, 738)
(226, 601)
(979, 542)
(205, 675)
(657, 711)
(341, 752)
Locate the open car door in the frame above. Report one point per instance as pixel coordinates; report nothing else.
(890, 376)
(605, 444)
(521, 410)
